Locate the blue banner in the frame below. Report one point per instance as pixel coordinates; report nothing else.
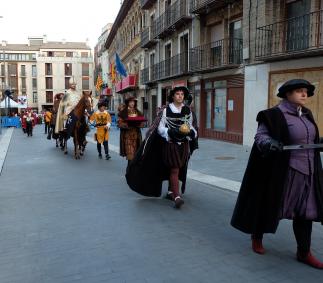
(120, 67)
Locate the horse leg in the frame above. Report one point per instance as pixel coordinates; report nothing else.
(76, 145)
(56, 142)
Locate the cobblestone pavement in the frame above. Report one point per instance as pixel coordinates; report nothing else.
(66, 220)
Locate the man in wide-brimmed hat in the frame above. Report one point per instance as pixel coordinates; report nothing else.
(165, 151)
(279, 183)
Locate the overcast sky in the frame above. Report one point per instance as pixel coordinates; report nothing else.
(72, 20)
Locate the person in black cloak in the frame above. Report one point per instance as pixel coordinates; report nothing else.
(165, 152)
(283, 184)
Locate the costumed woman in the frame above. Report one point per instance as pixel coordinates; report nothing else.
(165, 151)
(102, 120)
(281, 183)
(130, 122)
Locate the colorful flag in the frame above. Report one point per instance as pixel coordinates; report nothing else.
(120, 67)
(99, 83)
(113, 73)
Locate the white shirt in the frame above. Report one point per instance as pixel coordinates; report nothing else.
(162, 127)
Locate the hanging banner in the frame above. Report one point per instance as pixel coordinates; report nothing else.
(22, 101)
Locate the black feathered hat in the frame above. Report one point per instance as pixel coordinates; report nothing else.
(129, 98)
(101, 103)
(177, 88)
(295, 84)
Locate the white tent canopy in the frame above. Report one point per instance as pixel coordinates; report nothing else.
(13, 104)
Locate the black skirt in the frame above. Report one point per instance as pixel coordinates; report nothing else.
(175, 155)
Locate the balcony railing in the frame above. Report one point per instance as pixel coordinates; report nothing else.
(292, 37)
(174, 15)
(171, 67)
(144, 76)
(147, 39)
(146, 4)
(219, 54)
(204, 6)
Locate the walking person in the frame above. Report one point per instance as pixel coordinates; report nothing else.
(47, 118)
(283, 184)
(30, 123)
(130, 122)
(165, 151)
(102, 119)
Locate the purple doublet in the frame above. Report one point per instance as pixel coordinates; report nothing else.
(299, 196)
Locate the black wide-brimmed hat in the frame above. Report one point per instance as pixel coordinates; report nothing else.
(295, 84)
(177, 88)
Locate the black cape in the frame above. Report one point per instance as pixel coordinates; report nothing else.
(146, 172)
(261, 193)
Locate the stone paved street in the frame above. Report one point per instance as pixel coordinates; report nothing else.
(65, 220)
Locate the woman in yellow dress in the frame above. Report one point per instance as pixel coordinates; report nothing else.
(102, 120)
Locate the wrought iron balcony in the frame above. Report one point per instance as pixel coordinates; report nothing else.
(205, 6)
(147, 39)
(224, 53)
(174, 66)
(144, 76)
(146, 4)
(175, 15)
(294, 37)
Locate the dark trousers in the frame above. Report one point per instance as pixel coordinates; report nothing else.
(106, 147)
(303, 234)
(29, 128)
(46, 127)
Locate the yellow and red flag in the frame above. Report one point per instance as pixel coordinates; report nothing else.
(113, 73)
(99, 83)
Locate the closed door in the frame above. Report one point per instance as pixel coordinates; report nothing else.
(220, 109)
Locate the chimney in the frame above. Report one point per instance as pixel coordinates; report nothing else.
(44, 38)
(4, 43)
(64, 41)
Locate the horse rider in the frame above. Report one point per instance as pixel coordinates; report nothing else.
(67, 105)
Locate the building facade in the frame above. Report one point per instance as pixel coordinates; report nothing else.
(232, 55)
(40, 69)
(197, 44)
(102, 66)
(124, 40)
(284, 42)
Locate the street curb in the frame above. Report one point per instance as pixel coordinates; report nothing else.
(4, 145)
(211, 180)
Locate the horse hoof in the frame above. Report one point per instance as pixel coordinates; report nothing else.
(57, 145)
(65, 152)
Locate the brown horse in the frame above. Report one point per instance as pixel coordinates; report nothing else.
(79, 128)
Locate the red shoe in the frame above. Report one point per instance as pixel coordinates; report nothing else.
(257, 246)
(310, 260)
